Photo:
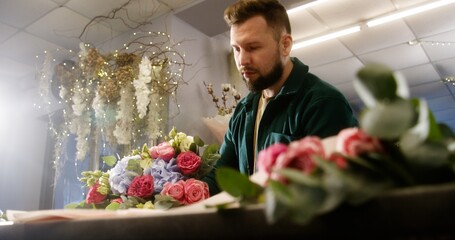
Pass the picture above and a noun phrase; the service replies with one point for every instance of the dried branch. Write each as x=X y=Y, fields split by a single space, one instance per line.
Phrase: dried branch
x=113 y=16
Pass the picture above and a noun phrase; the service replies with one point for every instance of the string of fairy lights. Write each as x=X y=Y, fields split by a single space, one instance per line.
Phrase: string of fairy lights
x=76 y=100
x=431 y=43
x=446 y=80
x=449 y=80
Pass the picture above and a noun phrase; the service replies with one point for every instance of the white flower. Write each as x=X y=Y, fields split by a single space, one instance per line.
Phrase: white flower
x=182 y=141
x=83 y=50
x=145 y=68
x=45 y=78
x=79 y=103
x=83 y=128
x=185 y=143
x=234 y=92
x=98 y=106
x=124 y=125
x=141 y=89
x=154 y=117
x=62 y=93
x=226 y=87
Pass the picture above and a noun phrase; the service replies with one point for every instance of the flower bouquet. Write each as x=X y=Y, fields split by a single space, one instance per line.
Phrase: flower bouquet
x=219 y=123
x=160 y=177
x=398 y=144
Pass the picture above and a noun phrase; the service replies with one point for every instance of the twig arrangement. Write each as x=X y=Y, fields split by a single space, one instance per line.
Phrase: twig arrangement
x=122 y=95
x=228 y=90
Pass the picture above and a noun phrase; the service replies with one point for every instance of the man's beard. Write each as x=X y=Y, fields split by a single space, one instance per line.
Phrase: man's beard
x=268 y=80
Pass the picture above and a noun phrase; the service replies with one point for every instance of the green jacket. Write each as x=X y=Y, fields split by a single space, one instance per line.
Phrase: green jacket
x=305 y=106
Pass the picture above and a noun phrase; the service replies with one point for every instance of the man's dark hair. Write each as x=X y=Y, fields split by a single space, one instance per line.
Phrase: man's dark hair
x=272 y=10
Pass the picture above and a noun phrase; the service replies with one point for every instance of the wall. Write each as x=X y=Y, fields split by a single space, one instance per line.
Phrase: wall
x=209 y=64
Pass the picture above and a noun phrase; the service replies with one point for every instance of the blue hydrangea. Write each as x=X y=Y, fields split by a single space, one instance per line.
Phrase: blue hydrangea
x=120 y=178
x=164 y=171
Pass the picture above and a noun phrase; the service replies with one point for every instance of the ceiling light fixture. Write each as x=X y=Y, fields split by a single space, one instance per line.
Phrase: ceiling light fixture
x=371 y=23
x=409 y=12
x=305 y=43
x=305 y=5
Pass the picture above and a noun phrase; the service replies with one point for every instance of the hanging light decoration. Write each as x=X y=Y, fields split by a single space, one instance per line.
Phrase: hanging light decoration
x=449 y=80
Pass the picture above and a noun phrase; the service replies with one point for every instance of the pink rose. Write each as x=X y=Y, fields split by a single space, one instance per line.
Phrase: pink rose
x=175 y=190
x=141 y=186
x=268 y=156
x=353 y=142
x=163 y=150
x=188 y=162
x=299 y=155
x=339 y=160
x=93 y=196
x=117 y=200
x=195 y=191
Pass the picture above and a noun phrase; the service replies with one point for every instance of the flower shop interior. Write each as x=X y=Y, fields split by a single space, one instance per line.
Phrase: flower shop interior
x=48 y=139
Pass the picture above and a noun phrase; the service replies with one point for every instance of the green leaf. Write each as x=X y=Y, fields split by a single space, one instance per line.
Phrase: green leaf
x=297 y=176
x=446 y=131
x=145 y=152
x=113 y=206
x=164 y=202
x=210 y=154
x=211 y=149
x=420 y=131
x=298 y=201
x=280 y=192
x=436 y=133
x=361 y=181
x=379 y=80
x=388 y=120
x=145 y=163
x=134 y=165
x=146 y=205
x=334 y=184
x=276 y=197
x=362 y=164
x=198 y=141
x=429 y=154
x=393 y=168
x=173 y=132
x=237 y=184
x=209 y=158
x=109 y=160
x=222 y=206
x=193 y=148
x=72 y=206
x=309 y=202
